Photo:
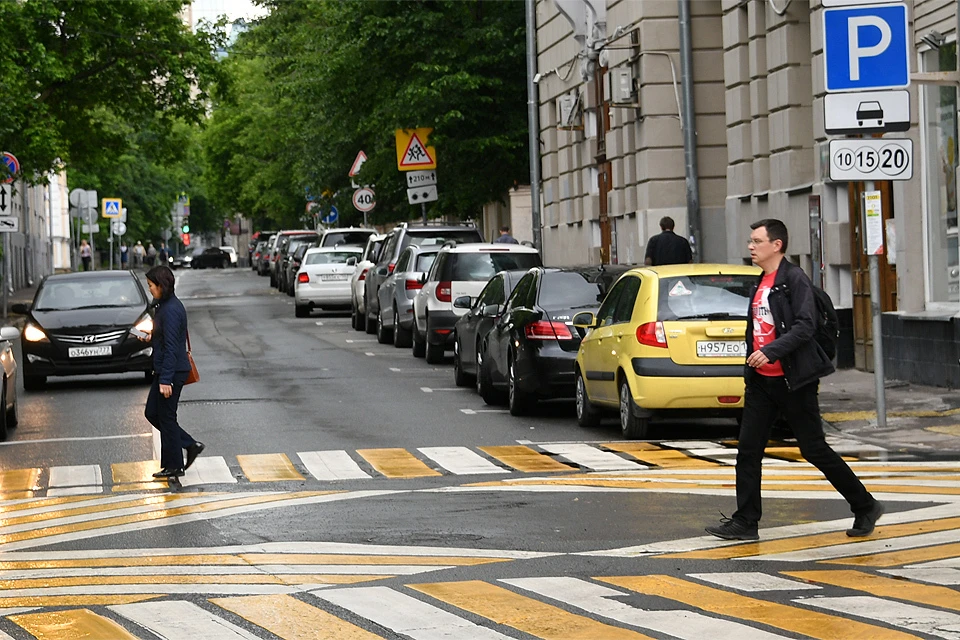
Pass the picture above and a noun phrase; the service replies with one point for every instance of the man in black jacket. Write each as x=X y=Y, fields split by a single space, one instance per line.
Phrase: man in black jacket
x=667 y=247
x=782 y=378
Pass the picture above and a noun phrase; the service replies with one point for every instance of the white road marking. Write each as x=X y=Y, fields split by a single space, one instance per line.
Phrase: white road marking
x=7 y=443
x=75 y=476
x=210 y=470
x=753 y=581
x=947 y=576
x=863 y=548
x=181 y=619
x=461 y=460
x=897 y=614
x=156 y=444
x=234 y=570
x=591 y=458
x=405 y=615
x=357 y=341
x=331 y=465
x=169 y=589
x=593 y=598
x=369 y=353
x=471 y=412
x=431 y=389
x=75 y=491
x=319 y=324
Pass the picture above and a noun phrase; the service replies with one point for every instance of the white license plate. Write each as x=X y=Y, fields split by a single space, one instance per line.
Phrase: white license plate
x=86 y=352
x=333 y=277
x=721 y=349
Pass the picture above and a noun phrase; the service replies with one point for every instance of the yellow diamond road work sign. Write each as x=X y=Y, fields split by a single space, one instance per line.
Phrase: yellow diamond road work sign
x=412 y=151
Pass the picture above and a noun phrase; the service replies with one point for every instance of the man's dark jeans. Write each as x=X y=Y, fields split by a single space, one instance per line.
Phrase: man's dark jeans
x=765 y=399
x=162 y=413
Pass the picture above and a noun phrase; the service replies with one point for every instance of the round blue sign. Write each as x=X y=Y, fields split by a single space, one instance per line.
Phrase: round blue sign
x=331 y=217
x=12 y=167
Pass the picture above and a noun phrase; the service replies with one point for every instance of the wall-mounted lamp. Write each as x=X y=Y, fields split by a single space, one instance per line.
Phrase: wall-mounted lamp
x=934 y=39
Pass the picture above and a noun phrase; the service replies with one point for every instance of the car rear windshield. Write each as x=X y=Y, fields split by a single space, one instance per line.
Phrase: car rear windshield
x=330 y=257
x=352 y=238
x=296 y=243
x=425 y=261
x=484 y=265
x=569 y=290
x=709 y=297
x=88 y=293
x=439 y=238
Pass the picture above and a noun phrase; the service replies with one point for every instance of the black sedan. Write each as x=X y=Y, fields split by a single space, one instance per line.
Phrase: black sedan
x=80 y=323
x=211 y=258
x=531 y=350
x=472 y=327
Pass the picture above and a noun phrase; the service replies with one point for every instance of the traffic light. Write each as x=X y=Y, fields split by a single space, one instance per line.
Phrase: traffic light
x=186 y=227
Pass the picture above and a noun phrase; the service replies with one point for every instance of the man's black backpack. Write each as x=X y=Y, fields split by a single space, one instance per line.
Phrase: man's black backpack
x=828 y=325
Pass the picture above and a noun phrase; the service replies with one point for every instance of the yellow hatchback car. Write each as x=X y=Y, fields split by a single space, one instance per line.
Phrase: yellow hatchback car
x=666 y=341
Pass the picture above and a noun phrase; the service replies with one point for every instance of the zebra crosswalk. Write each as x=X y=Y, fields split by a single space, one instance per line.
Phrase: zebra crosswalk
x=563 y=458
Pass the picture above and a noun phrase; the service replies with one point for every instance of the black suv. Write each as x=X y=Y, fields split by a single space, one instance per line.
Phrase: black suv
x=399 y=239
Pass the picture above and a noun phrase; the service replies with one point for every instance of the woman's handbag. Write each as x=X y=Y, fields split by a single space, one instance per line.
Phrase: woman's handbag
x=194 y=375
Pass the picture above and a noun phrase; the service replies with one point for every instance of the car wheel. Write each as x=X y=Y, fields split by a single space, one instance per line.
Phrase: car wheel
x=224 y=264
x=148 y=376
x=460 y=377
x=370 y=326
x=588 y=416
x=401 y=336
x=419 y=344
x=3 y=415
x=13 y=414
x=384 y=335
x=361 y=324
x=302 y=310
x=484 y=384
x=632 y=426
x=434 y=353
x=519 y=402
x=34 y=383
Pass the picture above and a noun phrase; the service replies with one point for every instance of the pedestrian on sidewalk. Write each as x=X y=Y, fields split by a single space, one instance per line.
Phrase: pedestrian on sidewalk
x=667 y=247
x=505 y=237
x=782 y=376
x=138 y=255
x=86 y=255
x=171 y=366
x=124 y=256
x=151 y=255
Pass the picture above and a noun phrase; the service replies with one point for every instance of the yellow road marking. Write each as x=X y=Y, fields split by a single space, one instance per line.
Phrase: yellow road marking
x=813 y=624
x=902 y=557
x=268 y=467
x=332 y=558
x=846 y=416
x=82 y=509
x=884 y=587
x=627 y=447
x=74 y=601
x=397 y=463
x=793 y=453
x=664 y=458
x=229 y=578
x=71 y=624
x=522 y=613
x=144 y=561
x=157 y=514
x=46 y=502
x=950 y=429
x=140 y=472
x=819 y=540
x=292 y=619
x=525 y=459
x=16 y=480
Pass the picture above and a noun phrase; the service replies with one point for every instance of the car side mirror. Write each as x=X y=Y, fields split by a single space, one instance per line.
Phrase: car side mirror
x=585 y=320
x=351 y=261
x=20 y=308
x=422 y=279
x=9 y=333
x=463 y=302
x=383 y=272
x=490 y=311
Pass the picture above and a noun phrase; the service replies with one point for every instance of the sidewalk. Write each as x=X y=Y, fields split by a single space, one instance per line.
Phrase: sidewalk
x=919 y=419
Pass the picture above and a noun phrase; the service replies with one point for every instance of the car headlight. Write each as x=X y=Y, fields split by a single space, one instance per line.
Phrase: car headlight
x=145 y=325
x=33 y=333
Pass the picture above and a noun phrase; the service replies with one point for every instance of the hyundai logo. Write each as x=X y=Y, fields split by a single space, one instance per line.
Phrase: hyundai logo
x=89 y=339
x=728 y=329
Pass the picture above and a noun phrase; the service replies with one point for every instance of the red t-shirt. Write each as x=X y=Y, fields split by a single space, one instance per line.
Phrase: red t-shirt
x=763 y=330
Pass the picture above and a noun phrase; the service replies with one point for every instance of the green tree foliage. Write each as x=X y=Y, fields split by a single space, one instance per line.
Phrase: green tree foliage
x=73 y=69
x=317 y=81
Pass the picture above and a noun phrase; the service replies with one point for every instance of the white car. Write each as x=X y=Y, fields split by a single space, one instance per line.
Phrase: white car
x=323 y=280
x=459 y=270
x=233 y=255
x=358 y=305
x=9 y=415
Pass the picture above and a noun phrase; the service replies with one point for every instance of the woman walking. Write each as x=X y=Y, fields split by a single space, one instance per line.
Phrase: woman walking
x=169 y=340
x=86 y=255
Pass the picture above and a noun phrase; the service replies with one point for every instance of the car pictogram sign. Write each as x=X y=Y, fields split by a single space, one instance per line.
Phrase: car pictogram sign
x=413 y=153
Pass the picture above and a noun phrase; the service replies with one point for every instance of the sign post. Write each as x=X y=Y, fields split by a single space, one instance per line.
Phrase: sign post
x=12 y=167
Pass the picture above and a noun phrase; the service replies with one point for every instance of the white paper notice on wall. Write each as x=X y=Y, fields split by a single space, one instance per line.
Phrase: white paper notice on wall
x=891 y=241
x=873 y=222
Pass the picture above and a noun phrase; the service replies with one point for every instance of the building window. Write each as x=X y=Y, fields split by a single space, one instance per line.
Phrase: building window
x=940 y=123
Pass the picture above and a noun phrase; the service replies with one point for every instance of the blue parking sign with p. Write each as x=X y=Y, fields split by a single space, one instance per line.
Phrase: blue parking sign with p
x=866 y=47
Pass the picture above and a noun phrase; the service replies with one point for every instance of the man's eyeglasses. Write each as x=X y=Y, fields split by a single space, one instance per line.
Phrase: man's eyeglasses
x=752 y=242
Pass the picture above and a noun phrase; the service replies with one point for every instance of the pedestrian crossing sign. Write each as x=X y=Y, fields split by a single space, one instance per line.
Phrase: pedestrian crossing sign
x=413 y=153
x=112 y=207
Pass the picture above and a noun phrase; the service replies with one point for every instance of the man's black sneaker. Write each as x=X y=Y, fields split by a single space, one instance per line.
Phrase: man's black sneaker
x=864 y=524
x=168 y=473
x=730 y=529
x=192 y=452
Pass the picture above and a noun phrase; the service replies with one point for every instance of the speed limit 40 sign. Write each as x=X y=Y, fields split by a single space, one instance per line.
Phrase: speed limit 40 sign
x=364 y=199
x=871 y=159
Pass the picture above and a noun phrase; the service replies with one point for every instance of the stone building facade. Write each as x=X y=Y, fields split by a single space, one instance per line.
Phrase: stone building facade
x=761 y=152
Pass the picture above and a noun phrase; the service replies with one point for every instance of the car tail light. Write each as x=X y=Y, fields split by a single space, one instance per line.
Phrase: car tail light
x=256 y=255
x=412 y=284
x=303 y=277
x=546 y=330
x=363 y=274
x=443 y=291
x=652 y=334
x=391 y=266
x=728 y=399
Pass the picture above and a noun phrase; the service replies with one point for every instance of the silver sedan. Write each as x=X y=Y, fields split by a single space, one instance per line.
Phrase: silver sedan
x=397 y=292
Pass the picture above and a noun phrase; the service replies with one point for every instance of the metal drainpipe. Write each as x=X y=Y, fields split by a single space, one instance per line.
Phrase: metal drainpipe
x=533 y=123
x=688 y=121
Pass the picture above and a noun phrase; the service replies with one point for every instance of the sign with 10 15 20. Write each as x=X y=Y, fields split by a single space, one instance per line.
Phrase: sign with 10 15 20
x=871 y=159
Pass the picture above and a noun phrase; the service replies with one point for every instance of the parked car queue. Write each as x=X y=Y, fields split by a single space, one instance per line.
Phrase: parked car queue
x=639 y=342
